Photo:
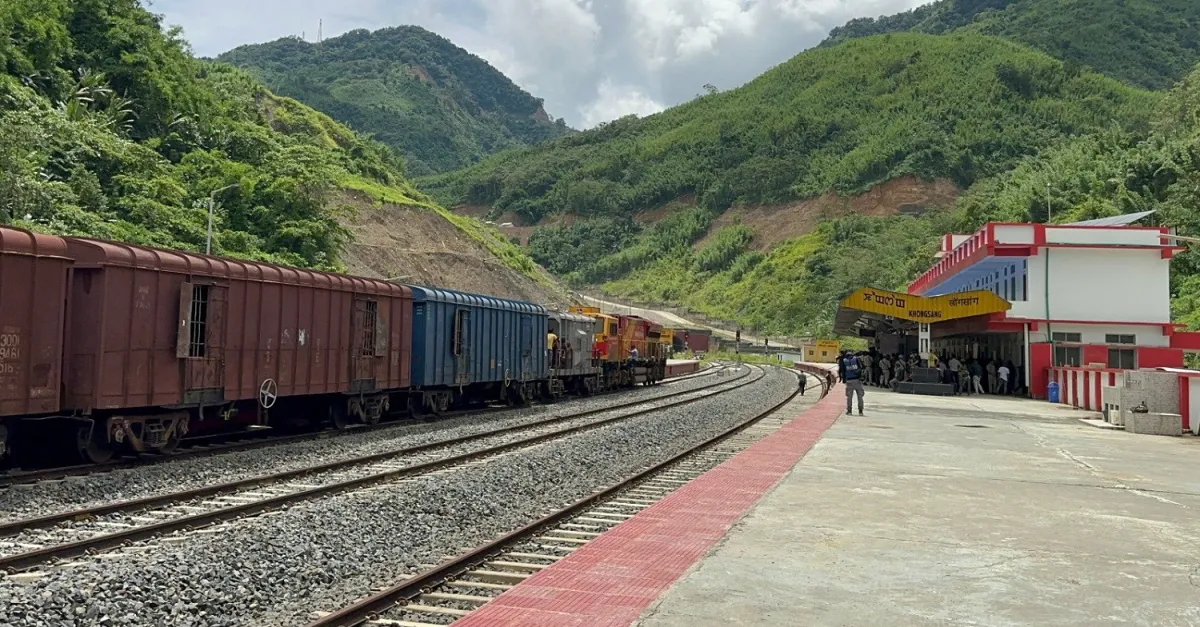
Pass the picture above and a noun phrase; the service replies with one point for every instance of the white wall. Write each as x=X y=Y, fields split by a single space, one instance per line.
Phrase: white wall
x=1108 y=284
x=1120 y=236
x=1014 y=233
x=1094 y=334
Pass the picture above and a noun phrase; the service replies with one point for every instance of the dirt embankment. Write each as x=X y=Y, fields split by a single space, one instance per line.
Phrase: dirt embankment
x=418 y=246
x=774 y=224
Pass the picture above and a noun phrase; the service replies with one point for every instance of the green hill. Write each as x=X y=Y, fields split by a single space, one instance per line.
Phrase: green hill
x=439 y=105
x=112 y=129
x=842 y=119
x=1112 y=173
x=1148 y=43
x=839 y=119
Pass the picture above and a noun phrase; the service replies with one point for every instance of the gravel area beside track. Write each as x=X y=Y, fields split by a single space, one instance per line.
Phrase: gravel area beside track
x=48 y=497
x=277 y=569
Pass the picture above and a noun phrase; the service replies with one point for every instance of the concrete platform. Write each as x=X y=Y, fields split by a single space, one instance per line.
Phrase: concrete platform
x=928 y=511
x=680 y=367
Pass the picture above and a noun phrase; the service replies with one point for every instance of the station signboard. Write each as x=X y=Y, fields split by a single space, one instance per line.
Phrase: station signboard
x=925 y=308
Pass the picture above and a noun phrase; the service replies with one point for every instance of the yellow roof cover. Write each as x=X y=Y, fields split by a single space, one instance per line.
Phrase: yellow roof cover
x=925 y=308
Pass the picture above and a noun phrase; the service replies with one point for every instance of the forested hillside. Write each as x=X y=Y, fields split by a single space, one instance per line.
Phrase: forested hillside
x=795 y=287
x=1148 y=43
x=110 y=128
x=439 y=105
x=1112 y=173
x=841 y=119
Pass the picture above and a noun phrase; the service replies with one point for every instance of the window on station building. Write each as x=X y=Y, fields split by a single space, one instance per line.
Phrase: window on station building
x=1024 y=280
x=1113 y=338
x=1068 y=356
x=1070 y=338
x=1123 y=358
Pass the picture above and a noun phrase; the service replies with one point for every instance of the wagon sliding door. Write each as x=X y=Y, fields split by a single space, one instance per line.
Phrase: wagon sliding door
x=526 y=347
x=200 y=343
x=462 y=347
x=370 y=337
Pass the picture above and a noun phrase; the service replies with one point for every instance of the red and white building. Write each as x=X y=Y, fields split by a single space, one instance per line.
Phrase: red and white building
x=1089 y=300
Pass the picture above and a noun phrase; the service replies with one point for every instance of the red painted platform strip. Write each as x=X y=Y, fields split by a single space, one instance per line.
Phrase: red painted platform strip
x=613 y=579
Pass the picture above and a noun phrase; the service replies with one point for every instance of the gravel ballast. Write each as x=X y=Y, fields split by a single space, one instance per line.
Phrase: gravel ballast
x=26 y=501
x=279 y=568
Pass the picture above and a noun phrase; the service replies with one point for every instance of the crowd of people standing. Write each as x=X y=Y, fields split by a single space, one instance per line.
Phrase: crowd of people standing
x=968 y=376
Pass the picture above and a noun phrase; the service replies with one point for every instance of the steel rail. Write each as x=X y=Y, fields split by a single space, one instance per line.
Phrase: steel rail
x=25 y=477
x=29 y=559
x=371 y=607
x=16 y=526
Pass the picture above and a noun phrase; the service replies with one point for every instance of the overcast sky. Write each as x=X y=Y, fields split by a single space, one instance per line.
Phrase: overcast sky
x=592 y=60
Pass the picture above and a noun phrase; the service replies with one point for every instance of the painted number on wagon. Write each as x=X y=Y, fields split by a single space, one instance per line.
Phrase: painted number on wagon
x=10 y=346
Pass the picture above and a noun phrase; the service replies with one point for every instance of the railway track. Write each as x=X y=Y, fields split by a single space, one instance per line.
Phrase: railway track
x=454 y=588
x=25 y=544
x=249 y=440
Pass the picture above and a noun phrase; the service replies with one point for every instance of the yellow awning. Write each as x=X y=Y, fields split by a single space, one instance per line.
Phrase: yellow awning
x=926 y=309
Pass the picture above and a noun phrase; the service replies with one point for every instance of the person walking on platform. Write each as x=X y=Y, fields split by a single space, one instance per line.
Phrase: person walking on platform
x=803 y=383
x=885 y=371
x=1003 y=373
x=962 y=379
x=867 y=372
x=852 y=368
x=991 y=377
x=955 y=366
x=976 y=374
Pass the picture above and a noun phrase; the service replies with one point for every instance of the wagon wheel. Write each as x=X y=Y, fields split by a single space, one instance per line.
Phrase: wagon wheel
x=91 y=448
x=268 y=393
x=337 y=414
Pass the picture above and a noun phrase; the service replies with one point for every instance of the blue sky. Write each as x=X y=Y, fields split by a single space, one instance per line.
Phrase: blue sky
x=592 y=60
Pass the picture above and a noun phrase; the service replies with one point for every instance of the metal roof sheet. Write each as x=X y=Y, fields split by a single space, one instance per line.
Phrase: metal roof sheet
x=1121 y=220
x=474 y=300
x=96 y=252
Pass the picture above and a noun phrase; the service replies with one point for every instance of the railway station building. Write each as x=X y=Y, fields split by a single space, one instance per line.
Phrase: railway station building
x=1074 y=303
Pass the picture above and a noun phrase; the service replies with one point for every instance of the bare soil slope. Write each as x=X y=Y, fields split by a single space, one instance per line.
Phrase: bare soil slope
x=774 y=224
x=417 y=246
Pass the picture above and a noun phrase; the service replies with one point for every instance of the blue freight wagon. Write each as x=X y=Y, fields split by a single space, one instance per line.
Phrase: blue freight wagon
x=470 y=348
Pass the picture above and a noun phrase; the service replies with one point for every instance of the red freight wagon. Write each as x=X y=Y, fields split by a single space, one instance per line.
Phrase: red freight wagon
x=33 y=280
x=105 y=346
x=698 y=340
x=204 y=338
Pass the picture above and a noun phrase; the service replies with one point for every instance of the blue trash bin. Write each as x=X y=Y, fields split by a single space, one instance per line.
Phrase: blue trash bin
x=1052 y=392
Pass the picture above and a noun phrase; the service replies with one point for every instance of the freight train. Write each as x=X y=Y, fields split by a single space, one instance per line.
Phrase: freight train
x=108 y=347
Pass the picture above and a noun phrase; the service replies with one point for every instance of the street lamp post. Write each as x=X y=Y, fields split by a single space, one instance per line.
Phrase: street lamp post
x=212 y=201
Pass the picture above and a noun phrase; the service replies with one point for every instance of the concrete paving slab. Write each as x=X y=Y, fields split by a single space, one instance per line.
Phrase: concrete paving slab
x=962 y=511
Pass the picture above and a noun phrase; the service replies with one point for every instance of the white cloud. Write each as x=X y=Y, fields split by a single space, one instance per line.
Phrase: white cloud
x=614 y=101
x=591 y=60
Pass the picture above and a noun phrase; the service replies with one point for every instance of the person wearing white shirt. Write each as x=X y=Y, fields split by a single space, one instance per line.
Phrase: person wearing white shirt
x=1003 y=372
x=955 y=366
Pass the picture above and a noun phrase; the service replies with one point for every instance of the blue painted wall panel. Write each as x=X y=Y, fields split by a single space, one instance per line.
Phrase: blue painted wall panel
x=501 y=336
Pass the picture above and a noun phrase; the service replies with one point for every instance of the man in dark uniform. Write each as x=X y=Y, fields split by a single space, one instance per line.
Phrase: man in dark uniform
x=852 y=376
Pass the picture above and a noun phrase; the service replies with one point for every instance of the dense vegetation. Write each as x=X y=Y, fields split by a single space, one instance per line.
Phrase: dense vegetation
x=1149 y=43
x=843 y=118
x=439 y=105
x=1112 y=173
x=112 y=129
x=794 y=288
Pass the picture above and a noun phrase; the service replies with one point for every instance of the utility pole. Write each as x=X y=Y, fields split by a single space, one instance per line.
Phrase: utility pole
x=1048 y=203
x=212 y=202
